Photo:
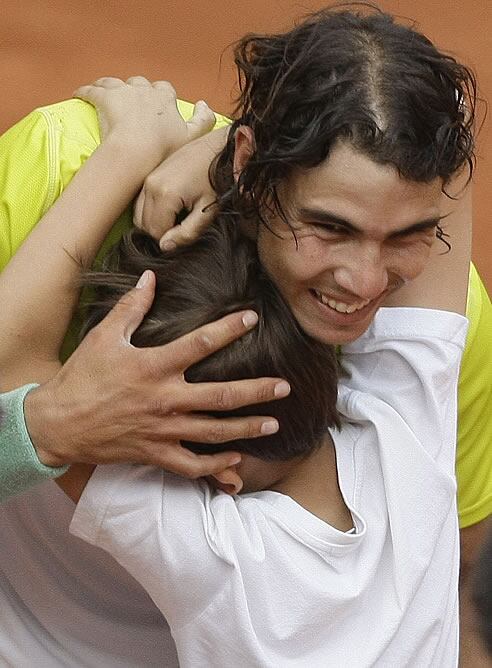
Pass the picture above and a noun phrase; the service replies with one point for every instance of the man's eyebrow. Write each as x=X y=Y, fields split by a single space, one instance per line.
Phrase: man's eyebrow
x=421 y=226
x=322 y=216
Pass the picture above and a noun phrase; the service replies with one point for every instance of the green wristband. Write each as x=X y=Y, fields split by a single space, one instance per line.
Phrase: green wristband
x=20 y=467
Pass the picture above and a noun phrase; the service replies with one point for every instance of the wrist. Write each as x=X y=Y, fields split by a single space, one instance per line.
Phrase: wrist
x=137 y=152
x=44 y=426
x=20 y=467
x=217 y=139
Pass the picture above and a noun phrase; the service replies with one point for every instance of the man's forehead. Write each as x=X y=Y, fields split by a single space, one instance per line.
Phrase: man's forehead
x=358 y=198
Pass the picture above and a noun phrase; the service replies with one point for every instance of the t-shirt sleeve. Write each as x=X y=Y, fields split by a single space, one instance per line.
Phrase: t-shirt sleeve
x=24 y=158
x=474 y=455
x=161 y=529
x=408 y=360
x=38 y=158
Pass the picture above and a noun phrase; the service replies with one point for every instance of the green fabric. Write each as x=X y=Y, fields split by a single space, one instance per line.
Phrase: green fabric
x=20 y=467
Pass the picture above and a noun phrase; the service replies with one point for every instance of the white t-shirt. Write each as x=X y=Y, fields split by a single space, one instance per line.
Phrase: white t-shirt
x=66 y=604
x=256 y=580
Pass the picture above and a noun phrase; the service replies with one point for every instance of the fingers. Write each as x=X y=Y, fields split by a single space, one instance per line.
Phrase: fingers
x=202 y=121
x=165 y=85
x=90 y=93
x=109 y=82
x=138 y=81
x=155 y=210
x=204 y=429
x=129 y=312
x=190 y=229
x=228 y=480
x=90 y=90
x=96 y=88
x=186 y=463
x=234 y=394
x=204 y=341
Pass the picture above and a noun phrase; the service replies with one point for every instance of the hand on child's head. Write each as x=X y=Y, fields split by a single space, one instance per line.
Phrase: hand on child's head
x=144 y=115
x=227 y=481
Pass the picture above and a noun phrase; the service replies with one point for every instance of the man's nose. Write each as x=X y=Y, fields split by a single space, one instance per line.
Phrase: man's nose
x=364 y=274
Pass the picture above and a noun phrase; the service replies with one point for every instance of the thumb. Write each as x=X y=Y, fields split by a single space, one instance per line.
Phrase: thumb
x=202 y=121
x=129 y=312
x=191 y=227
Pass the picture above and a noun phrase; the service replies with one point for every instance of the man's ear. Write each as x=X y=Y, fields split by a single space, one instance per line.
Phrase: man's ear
x=244 y=146
x=228 y=480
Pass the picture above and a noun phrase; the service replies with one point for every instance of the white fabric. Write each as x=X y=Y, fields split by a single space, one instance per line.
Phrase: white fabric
x=256 y=580
x=66 y=604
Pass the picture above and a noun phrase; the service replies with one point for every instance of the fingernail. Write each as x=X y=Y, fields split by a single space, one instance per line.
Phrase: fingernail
x=282 y=389
x=168 y=245
x=236 y=460
x=143 y=280
x=202 y=103
x=250 y=318
x=270 y=427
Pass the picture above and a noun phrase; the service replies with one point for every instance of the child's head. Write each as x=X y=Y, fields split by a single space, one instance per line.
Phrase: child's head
x=220 y=274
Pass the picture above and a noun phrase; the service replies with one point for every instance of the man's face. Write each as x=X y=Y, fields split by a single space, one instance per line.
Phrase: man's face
x=362 y=231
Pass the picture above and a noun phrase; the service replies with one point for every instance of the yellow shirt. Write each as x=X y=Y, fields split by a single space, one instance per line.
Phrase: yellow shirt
x=40 y=155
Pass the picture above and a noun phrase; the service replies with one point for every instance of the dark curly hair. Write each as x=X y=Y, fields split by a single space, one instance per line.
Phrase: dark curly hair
x=356 y=76
x=219 y=274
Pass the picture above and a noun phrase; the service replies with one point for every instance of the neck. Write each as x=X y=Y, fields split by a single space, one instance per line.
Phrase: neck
x=311 y=481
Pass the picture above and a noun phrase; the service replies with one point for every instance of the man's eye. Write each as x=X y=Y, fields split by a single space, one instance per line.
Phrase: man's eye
x=415 y=236
x=329 y=229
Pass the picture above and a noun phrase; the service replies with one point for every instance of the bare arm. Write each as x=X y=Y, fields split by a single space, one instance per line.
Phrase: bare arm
x=112 y=402
x=444 y=282
x=140 y=131
x=443 y=285
x=181 y=184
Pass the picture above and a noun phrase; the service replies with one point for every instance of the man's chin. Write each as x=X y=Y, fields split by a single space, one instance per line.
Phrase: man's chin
x=338 y=336
x=334 y=331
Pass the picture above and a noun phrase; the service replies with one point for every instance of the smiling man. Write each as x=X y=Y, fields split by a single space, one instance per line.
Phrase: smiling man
x=348 y=129
x=362 y=232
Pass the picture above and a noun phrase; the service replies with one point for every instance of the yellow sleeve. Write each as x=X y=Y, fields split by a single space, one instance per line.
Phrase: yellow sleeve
x=38 y=157
x=474 y=455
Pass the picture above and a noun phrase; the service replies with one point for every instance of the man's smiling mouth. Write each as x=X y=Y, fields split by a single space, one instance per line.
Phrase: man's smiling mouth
x=340 y=306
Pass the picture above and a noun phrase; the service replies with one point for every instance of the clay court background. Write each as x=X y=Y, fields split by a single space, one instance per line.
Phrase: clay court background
x=49 y=47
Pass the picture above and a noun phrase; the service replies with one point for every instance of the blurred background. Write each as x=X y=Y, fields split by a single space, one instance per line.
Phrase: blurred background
x=50 y=47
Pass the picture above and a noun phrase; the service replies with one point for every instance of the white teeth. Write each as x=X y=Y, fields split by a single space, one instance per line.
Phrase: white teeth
x=341 y=307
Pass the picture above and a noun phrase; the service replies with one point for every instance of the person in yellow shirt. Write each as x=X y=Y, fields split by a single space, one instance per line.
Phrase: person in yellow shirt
x=40 y=155
x=39 y=438
x=54 y=141
x=38 y=158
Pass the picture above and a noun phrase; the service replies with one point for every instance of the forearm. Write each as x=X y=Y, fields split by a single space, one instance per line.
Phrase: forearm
x=45 y=272
x=443 y=284
x=216 y=139
x=20 y=465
